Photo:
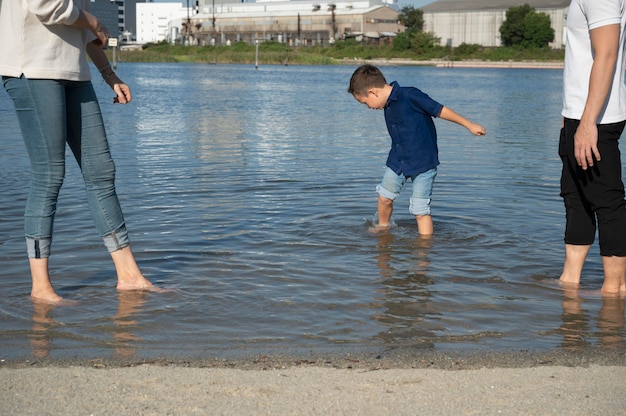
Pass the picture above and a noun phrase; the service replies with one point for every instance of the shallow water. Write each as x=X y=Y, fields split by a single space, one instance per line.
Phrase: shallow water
x=250 y=193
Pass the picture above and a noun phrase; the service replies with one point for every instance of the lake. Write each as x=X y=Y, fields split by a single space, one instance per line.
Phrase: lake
x=250 y=192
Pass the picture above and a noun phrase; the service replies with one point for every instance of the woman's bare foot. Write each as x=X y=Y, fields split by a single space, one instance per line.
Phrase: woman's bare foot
x=136 y=283
x=129 y=277
x=48 y=297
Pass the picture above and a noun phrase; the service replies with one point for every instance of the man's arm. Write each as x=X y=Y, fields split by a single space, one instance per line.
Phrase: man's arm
x=604 y=45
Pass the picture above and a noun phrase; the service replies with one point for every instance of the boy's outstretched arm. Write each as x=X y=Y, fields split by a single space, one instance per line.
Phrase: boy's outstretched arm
x=450 y=115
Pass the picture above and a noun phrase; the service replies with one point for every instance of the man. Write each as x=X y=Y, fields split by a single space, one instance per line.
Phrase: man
x=594 y=114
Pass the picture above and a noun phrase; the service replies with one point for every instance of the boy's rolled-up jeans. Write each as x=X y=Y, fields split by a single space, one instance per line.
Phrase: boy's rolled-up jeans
x=52 y=113
x=419 y=204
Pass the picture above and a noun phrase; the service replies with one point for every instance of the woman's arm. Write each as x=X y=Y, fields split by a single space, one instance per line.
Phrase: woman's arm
x=101 y=62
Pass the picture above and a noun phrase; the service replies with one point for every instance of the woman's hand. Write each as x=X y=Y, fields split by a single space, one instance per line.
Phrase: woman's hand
x=122 y=91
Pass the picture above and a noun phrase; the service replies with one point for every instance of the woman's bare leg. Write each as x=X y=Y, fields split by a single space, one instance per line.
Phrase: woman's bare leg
x=129 y=277
x=42 y=289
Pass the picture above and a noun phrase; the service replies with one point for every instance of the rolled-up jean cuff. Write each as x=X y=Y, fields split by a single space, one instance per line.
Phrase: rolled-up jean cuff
x=385 y=193
x=38 y=248
x=117 y=240
x=419 y=206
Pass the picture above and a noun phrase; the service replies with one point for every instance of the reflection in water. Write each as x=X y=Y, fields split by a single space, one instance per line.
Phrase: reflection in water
x=575 y=328
x=406 y=294
x=129 y=303
x=40 y=337
x=611 y=323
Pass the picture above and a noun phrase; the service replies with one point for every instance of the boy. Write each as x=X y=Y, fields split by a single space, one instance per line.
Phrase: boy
x=414 y=155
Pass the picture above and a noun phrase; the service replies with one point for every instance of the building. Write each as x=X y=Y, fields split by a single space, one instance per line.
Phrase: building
x=293 y=22
x=478 y=21
x=157 y=22
x=118 y=16
x=107 y=13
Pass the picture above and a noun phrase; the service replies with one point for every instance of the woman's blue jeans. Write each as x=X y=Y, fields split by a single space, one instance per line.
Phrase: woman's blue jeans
x=52 y=113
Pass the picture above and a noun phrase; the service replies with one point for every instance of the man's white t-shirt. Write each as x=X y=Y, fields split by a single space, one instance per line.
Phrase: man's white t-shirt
x=583 y=16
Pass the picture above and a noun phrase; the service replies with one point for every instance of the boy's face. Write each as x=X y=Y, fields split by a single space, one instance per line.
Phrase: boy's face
x=374 y=99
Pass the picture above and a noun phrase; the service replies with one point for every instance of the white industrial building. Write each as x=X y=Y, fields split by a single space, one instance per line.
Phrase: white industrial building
x=478 y=21
x=154 y=20
x=294 y=22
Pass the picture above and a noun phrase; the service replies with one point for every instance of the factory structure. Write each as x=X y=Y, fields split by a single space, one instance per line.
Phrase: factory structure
x=478 y=21
x=293 y=22
x=311 y=23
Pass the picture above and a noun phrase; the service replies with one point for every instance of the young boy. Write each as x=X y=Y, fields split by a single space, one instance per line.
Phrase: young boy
x=409 y=117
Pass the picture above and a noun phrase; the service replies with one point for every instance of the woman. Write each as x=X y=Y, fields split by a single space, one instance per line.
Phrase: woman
x=44 y=68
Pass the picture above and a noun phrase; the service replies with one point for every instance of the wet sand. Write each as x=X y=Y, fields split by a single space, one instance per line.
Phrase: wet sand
x=556 y=383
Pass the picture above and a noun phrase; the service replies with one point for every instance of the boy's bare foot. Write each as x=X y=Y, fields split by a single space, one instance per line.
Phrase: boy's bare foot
x=378 y=228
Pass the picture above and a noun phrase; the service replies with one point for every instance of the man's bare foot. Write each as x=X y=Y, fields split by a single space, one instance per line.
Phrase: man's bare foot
x=612 y=293
x=569 y=283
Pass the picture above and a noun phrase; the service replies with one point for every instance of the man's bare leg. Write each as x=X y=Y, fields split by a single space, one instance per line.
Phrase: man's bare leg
x=425 y=225
x=42 y=289
x=575 y=256
x=614 y=272
x=129 y=277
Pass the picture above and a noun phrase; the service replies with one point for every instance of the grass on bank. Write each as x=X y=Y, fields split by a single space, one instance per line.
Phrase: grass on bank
x=279 y=53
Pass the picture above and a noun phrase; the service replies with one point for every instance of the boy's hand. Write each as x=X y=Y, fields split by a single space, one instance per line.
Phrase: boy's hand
x=476 y=129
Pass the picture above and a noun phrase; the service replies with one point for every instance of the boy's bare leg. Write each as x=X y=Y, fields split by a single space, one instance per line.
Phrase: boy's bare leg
x=42 y=289
x=425 y=225
x=575 y=256
x=129 y=277
x=614 y=272
x=385 y=209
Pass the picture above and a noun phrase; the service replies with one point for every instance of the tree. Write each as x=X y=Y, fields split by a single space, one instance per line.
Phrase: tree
x=412 y=18
x=526 y=28
x=538 y=31
x=423 y=42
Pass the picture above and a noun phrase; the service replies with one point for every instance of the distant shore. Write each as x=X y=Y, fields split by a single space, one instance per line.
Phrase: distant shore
x=440 y=63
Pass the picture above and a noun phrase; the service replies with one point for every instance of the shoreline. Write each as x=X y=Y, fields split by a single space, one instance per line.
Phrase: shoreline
x=439 y=63
x=404 y=358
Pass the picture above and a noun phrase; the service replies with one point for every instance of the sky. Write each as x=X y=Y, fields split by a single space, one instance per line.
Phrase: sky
x=415 y=3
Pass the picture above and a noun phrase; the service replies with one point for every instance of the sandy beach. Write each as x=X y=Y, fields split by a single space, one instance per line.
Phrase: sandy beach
x=510 y=384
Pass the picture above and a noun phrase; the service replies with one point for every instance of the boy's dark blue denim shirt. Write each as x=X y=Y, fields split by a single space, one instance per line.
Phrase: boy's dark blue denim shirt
x=409 y=116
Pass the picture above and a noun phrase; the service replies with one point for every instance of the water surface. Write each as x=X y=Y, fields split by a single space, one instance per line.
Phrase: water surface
x=250 y=192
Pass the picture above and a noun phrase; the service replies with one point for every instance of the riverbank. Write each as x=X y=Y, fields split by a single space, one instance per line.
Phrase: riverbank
x=272 y=53
x=442 y=63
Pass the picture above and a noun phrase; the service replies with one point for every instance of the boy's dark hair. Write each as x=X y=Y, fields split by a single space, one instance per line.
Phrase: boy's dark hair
x=366 y=77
